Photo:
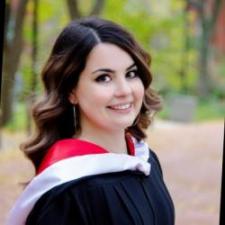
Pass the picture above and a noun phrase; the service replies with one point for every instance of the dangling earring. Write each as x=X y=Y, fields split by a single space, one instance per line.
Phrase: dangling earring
x=136 y=120
x=74 y=117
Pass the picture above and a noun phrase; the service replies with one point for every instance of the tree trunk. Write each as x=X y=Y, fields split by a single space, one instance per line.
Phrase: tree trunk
x=208 y=23
x=97 y=8
x=10 y=65
x=185 y=52
x=204 y=75
x=33 y=84
x=3 y=25
x=74 y=11
x=12 y=52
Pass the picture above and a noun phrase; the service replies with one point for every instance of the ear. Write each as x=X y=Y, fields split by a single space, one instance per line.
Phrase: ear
x=72 y=97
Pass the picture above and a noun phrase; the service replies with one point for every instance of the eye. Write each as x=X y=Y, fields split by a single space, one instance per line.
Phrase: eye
x=104 y=78
x=132 y=74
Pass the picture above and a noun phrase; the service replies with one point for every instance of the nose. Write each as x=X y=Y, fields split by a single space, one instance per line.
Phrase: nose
x=123 y=88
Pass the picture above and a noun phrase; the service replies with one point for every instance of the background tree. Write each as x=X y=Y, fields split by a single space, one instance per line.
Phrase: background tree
x=13 y=45
x=164 y=29
x=208 y=12
x=76 y=12
x=34 y=55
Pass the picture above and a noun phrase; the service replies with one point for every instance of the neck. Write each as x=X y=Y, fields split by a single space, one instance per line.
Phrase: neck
x=114 y=142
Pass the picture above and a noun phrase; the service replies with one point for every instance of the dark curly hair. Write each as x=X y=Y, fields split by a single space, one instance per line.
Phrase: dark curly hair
x=54 y=112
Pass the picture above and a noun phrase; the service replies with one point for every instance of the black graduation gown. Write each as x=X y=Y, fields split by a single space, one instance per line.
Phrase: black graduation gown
x=118 y=198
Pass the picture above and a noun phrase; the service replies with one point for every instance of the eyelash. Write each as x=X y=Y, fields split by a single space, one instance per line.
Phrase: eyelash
x=135 y=72
x=104 y=78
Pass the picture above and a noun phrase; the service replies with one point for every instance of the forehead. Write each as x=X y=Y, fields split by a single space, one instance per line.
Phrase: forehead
x=108 y=55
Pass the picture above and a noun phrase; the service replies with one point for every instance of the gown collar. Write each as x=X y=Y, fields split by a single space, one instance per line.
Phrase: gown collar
x=71 y=147
x=73 y=165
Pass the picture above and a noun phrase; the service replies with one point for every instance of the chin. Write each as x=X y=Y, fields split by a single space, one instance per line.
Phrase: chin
x=124 y=125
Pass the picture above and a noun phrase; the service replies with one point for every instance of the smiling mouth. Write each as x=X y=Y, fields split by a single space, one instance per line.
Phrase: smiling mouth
x=120 y=106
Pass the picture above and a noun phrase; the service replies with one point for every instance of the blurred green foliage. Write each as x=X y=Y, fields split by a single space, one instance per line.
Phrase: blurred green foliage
x=157 y=25
x=19 y=121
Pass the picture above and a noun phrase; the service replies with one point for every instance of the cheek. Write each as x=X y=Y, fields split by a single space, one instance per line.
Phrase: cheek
x=102 y=94
x=139 y=91
x=94 y=96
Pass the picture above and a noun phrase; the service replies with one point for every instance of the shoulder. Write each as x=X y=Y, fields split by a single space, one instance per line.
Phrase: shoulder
x=72 y=199
x=155 y=160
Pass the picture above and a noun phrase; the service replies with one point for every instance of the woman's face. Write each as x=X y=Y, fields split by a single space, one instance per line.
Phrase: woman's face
x=109 y=92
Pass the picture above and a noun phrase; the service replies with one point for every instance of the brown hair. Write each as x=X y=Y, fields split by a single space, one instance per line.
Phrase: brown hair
x=53 y=113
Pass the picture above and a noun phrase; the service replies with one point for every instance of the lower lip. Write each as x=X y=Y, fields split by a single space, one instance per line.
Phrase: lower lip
x=127 y=110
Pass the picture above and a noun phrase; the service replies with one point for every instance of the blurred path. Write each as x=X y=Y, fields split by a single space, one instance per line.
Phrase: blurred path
x=14 y=170
x=190 y=155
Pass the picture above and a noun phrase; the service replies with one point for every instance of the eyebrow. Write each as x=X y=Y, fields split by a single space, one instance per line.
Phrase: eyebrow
x=113 y=71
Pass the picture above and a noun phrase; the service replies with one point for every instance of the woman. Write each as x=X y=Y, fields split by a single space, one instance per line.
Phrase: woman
x=92 y=164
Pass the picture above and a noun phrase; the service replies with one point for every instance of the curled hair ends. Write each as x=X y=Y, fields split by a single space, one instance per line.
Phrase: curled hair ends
x=53 y=114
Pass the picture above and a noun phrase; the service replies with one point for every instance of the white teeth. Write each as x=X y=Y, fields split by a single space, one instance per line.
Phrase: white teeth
x=126 y=106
